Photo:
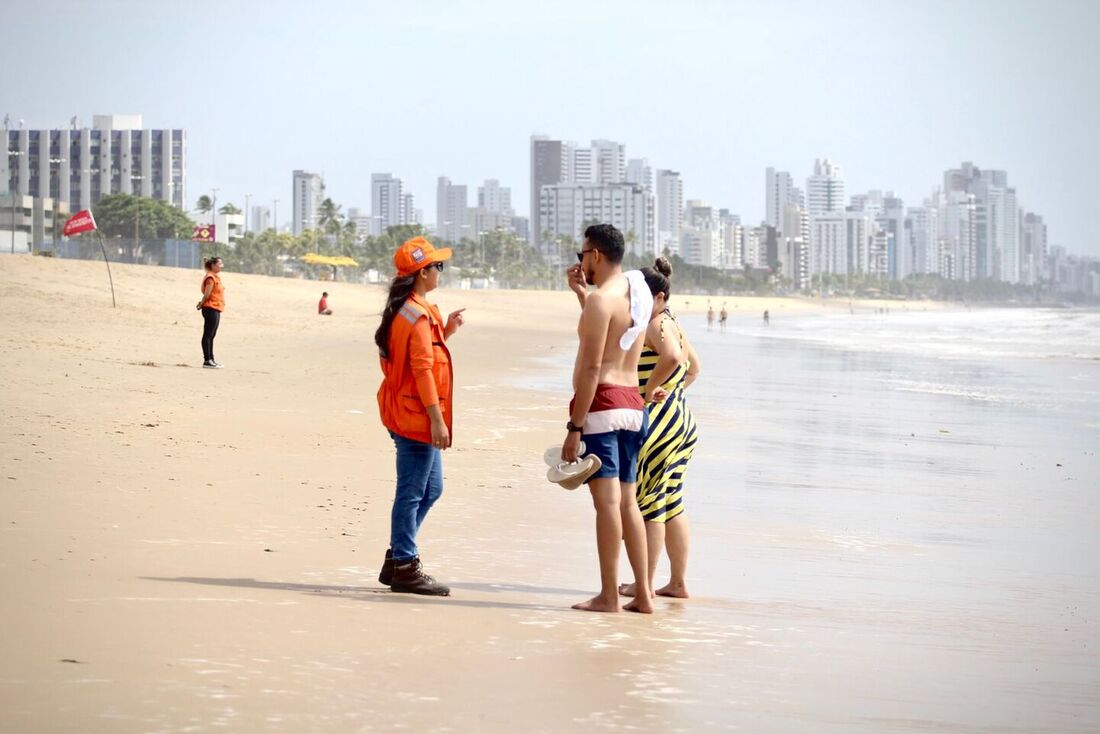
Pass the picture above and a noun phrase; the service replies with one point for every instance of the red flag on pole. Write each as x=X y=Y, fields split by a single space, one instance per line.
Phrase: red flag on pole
x=203 y=233
x=82 y=221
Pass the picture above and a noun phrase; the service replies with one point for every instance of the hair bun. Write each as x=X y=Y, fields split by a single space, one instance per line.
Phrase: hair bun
x=663 y=266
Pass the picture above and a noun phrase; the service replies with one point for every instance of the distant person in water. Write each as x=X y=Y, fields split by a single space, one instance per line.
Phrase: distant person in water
x=710 y=317
x=767 y=319
x=722 y=317
x=322 y=306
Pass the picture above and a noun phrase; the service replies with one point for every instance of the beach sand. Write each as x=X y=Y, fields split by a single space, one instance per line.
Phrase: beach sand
x=195 y=550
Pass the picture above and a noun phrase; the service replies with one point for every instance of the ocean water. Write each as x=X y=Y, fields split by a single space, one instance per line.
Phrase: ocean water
x=895 y=523
x=911 y=501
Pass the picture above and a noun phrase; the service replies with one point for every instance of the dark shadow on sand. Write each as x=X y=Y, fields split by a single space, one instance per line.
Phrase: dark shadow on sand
x=361 y=593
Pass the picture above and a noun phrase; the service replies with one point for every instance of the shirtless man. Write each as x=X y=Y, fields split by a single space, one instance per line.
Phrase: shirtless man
x=607 y=411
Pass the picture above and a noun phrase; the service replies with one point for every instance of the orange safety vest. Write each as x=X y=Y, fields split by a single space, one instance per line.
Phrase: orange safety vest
x=399 y=401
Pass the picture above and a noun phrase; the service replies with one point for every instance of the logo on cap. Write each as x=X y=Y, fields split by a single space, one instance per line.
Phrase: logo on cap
x=418 y=254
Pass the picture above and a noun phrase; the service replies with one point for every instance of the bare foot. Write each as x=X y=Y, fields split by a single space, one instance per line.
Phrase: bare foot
x=676 y=591
x=642 y=606
x=628 y=590
x=597 y=604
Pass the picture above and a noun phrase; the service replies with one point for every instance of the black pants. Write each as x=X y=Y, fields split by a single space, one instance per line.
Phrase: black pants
x=211 y=317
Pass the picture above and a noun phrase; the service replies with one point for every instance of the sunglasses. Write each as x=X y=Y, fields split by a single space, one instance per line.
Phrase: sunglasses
x=580 y=255
x=438 y=266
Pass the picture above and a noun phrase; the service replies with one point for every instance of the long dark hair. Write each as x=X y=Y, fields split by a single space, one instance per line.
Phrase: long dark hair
x=400 y=290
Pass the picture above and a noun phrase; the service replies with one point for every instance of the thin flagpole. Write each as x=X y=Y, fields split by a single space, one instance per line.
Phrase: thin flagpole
x=108 y=264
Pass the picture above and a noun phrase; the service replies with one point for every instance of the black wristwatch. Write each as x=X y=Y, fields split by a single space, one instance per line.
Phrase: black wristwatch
x=573 y=428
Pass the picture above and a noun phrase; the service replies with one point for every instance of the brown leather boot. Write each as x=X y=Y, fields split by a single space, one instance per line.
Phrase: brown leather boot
x=409 y=578
x=385 y=576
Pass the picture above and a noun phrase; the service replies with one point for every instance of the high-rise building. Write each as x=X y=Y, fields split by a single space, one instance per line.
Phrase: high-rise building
x=451 y=210
x=638 y=172
x=548 y=167
x=117 y=155
x=779 y=192
x=996 y=218
x=494 y=198
x=609 y=158
x=891 y=219
x=922 y=233
x=670 y=210
x=307 y=194
x=261 y=219
x=566 y=209
x=825 y=189
x=409 y=213
x=387 y=201
x=1033 y=248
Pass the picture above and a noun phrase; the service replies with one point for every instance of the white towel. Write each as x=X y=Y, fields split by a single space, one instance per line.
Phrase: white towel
x=641 y=307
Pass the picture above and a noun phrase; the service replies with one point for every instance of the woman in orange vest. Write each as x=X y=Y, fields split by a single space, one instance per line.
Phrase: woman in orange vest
x=414 y=402
x=211 y=304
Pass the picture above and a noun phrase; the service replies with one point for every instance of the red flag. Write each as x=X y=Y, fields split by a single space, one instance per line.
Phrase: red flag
x=203 y=233
x=82 y=221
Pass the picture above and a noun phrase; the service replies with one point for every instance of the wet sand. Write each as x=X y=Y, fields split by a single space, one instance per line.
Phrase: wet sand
x=204 y=544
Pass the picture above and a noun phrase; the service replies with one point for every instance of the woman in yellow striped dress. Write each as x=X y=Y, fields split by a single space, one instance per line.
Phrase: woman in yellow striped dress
x=667 y=366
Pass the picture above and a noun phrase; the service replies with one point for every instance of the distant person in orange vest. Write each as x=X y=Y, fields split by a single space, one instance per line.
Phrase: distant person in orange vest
x=415 y=405
x=211 y=304
x=322 y=305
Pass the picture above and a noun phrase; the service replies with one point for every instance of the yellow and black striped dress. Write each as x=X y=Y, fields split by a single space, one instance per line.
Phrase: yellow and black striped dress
x=668 y=446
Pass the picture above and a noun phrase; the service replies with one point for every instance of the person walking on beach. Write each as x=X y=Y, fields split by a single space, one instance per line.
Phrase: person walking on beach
x=322 y=306
x=767 y=318
x=722 y=317
x=211 y=304
x=607 y=411
x=414 y=402
x=710 y=316
x=667 y=366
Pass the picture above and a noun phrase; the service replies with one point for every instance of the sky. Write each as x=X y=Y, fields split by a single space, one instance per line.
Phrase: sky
x=895 y=91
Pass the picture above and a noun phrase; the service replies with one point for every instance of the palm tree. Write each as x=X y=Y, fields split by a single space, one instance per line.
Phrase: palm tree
x=229 y=208
x=204 y=204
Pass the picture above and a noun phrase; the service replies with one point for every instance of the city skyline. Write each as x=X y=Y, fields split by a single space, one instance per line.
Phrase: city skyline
x=781 y=96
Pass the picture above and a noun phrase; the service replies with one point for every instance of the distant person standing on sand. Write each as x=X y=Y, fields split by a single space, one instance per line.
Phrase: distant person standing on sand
x=767 y=318
x=667 y=366
x=415 y=405
x=211 y=304
x=722 y=317
x=607 y=411
x=322 y=306
x=710 y=316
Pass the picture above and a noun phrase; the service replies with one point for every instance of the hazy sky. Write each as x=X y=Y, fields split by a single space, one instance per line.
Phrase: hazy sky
x=894 y=91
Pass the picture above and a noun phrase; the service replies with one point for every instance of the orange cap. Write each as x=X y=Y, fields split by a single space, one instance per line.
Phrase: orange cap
x=416 y=254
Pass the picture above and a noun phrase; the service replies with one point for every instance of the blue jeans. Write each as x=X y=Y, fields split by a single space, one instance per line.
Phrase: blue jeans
x=419 y=485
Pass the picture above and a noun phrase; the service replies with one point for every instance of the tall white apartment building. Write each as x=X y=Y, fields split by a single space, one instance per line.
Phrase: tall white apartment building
x=825 y=189
x=494 y=198
x=387 y=201
x=670 y=210
x=638 y=172
x=922 y=228
x=307 y=194
x=567 y=209
x=1033 y=247
x=117 y=155
x=451 y=202
x=779 y=193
